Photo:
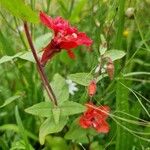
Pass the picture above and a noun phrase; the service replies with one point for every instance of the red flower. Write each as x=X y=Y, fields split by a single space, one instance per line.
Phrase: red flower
x=65 y=37
x=95 y=117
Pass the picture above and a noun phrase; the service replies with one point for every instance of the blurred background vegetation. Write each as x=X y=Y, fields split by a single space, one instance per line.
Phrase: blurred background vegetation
x=20 y=83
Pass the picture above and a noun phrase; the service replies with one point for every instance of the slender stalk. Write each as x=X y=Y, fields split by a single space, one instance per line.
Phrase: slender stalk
x=40 y=68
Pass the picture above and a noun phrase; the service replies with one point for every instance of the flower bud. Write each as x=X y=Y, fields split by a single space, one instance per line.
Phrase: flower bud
x=110 y=69
x=130 y=12
x=92 y=88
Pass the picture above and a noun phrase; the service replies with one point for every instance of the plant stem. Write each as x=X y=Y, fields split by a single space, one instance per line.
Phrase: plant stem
x=40 y=68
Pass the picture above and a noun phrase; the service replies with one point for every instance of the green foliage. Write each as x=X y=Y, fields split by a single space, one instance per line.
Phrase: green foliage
x=10 y=100
x=114 y=54
x=71 y=108
x=114 y=35
x=81 y=78
x=77 y=10
x=42 y=40
x=60 y=88
x=21 y=55
x=46 y=109
x=19 y=145
x=79 y=134
x=43 y=109
x=21 y=129
x=56 y=142
x=56 y=114
x=49 y=126
x=20 y=10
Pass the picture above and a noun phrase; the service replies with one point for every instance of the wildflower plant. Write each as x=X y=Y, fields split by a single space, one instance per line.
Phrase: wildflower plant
x=73 y=77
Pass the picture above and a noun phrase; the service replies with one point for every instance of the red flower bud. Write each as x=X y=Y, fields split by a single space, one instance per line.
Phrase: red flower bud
x=110 y=69
x=92 y=88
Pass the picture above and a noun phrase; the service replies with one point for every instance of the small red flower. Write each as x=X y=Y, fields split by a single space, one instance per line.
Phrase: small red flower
x=92 y=88
x=95 y=117
x=65 y=37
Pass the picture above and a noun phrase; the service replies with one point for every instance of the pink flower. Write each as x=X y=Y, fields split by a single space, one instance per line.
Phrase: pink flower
x=65 y=37
x=95 y=117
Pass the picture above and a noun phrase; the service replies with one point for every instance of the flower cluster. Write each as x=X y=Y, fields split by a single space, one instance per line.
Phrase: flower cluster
x=65 y=37
x=95 y=117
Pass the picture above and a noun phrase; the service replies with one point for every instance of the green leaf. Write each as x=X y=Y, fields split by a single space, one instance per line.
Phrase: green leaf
x=20 y=10
x=42 y=41
x=43 y=109
x=21 y=129
x=19 y=145
x=57 y=143
x=81 y=78
x=27 y=56
x=49 y=127
x=10 y=100
x=79 y=134
x=3 y=144
x=46 y=109
x=103 y=45
x=56 y=114
x=96 y=146
x=71 y=108
x=114 y=54
x=9 y=58
x=14 y=128
x=122 y=104
x=60 y=88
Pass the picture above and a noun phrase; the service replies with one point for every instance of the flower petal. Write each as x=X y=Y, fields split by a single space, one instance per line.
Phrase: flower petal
x=46 y=20
x=83 y=39
x=84 y=123
x=71 y=54
x=103 y=127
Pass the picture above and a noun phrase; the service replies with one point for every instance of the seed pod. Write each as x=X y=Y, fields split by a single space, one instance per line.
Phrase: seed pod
x=110 y=69
x=92 y=88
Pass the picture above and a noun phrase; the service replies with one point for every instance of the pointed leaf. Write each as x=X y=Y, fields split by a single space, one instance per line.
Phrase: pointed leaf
x=20 y=10
x=43 y=109
x=114 y=54
x=81 y=78
x=49 y=127
x=60 y=89
x=56 y=114
x=9 y=58
x=27 y=56
x=71 y=108
x=10 y=100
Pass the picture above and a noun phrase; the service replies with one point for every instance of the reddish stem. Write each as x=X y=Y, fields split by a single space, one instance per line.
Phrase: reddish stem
x=40 y=68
